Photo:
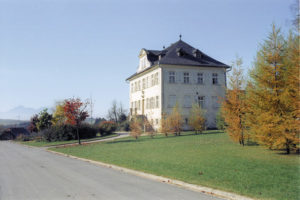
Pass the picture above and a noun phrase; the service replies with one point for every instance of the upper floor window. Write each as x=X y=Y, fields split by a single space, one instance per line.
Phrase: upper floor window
x=144 y=83
x=171 y=77
x=156 y=78
x=139 y=85
x=135 y=86
x=186 y=77
x=200 y=78
x=147 y=82
x=214 y=78
x=132 y=88
x=152 y=79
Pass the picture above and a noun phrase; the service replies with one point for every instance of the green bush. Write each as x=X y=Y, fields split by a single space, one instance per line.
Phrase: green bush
x=68 y=132
x=124 y=126
x=107 y=127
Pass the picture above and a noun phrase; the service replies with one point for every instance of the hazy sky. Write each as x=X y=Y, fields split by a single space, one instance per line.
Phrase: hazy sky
x=55 y=49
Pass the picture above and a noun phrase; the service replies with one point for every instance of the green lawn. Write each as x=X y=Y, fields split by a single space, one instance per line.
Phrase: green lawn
x=211 y=159
x=45 y=144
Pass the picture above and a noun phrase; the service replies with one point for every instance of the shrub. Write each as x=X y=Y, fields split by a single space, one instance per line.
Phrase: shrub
x=68 y=132
x=107 y=127
x=87 y=131
x=135 y=127
x=124 y=126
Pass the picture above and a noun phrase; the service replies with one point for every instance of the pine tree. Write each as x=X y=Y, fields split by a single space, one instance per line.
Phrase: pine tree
x=272 y=94
x=233 y=107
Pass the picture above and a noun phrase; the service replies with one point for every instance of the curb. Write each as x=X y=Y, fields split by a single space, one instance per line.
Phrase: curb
x=197 y=188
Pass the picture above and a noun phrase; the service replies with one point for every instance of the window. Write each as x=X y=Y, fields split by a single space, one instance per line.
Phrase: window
x=132 y=89
x=187 y=101
x=152 y=102
x=200 y=101
x=215 y=103
x=144 y=83
x=186 y=77
x=139 y=85
x=156 y=78
x=214 y=78
x=139 y=105
x=156 y=102
x=186 y=120
x=135 y=86
x=171 y=77
x=131 y=104
x=172 y=101
x=147 y=103
x=156 y=121
x=200 y=78
x=147 y=82
x=152 y=79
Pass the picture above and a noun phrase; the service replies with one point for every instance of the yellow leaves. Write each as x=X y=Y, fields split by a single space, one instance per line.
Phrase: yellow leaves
x=197 y=118
x=273 y=96
x=234 y=107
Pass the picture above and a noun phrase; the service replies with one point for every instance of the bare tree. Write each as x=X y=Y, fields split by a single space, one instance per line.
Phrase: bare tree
x=113 y=112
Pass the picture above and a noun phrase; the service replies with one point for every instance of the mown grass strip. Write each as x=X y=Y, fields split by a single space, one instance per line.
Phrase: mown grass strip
x=210 y=159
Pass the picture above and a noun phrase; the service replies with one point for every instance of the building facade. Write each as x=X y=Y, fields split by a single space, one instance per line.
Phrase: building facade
x=178 y=74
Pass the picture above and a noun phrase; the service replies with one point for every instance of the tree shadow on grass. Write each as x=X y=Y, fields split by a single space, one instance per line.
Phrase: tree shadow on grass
x=283 y=152
x=160 y=137
x=252 y=143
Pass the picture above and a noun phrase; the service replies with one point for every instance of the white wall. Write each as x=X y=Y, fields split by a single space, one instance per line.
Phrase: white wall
x=208 y=90
x=151 y=91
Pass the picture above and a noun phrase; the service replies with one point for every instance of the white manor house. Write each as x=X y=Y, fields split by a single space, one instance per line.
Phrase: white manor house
x=178 y=74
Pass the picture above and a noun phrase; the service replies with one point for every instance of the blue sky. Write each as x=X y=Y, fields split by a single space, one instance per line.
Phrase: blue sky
x=52 y=50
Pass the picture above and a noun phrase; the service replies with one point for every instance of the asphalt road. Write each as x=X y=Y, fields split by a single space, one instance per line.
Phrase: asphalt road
x=28 y=173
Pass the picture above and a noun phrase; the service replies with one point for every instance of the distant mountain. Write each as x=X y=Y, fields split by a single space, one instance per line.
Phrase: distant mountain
x=13 y=122
x=20 y=113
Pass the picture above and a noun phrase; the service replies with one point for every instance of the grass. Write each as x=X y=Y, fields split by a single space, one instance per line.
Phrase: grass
x=210 y=159
x=46 y=144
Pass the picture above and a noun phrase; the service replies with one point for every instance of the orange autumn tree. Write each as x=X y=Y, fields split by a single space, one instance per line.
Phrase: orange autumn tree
x=273 y=93
x=75 y=113
x=291 y=96
x=136 y=127
x=164 y=125
x=233 y=107
x=197 y=118
x=175 y=121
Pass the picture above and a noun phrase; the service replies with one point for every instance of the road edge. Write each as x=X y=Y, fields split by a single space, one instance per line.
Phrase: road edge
x=197 y=188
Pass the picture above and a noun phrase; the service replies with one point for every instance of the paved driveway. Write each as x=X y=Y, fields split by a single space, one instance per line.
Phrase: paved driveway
x=33 y=174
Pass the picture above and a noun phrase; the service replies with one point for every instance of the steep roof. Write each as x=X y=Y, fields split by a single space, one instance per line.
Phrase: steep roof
x=180 y=53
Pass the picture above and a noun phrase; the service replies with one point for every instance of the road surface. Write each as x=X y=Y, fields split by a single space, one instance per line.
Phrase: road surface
x=28 y=173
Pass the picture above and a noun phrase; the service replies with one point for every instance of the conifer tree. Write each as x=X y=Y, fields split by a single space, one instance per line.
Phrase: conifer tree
x=233 y=107
x=272 y=94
